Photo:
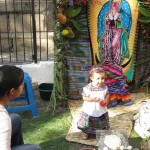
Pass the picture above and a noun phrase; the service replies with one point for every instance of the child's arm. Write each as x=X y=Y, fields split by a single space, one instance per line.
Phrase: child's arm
x=107 y=98
x=105 y=101
x=89 y=99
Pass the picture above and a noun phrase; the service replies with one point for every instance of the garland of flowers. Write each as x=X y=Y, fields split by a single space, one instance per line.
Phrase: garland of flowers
x=66 y=29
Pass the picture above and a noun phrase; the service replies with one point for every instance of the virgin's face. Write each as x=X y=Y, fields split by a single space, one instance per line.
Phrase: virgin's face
x=98 y=79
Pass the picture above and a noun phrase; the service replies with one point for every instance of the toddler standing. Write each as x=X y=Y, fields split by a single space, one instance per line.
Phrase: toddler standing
x=94 y=115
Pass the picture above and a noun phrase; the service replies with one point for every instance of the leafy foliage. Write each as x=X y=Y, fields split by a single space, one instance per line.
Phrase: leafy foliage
x=66 y=29
x=144 y=11
x=144 y=18
x=72 y=12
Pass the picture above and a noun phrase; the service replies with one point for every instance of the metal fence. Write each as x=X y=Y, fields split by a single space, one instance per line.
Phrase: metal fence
x=26 y=31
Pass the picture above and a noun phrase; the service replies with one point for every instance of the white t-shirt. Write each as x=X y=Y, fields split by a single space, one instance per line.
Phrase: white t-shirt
x=5 y=129
x=93 y=108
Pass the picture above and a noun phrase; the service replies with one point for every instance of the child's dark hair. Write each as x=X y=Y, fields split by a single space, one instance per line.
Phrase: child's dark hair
x=96 y=69
x=10 y=77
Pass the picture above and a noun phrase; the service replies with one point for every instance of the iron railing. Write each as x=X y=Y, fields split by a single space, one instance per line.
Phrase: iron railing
x=26 y=31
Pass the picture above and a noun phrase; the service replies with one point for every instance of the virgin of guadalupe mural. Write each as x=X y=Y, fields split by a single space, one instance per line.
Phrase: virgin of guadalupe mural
x=112 y=28
x=114 y=24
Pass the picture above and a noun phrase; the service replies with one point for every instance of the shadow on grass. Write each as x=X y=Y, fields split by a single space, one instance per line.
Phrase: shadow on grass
x=58 y=143
x=49 y=131
x=135 y=140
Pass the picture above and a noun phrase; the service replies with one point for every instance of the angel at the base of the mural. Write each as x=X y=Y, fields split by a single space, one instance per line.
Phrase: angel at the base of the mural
x=114 y=24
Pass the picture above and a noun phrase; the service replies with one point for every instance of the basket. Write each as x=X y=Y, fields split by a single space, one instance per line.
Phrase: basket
x=45 y=90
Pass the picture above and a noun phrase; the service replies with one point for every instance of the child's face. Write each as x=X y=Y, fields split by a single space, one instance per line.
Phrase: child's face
x=98 y=79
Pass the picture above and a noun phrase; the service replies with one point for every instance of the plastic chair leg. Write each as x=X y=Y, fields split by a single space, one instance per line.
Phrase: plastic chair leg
x=30 y=97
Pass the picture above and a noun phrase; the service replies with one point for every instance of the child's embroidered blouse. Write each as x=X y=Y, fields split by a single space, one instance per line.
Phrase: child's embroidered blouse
x=93 y=108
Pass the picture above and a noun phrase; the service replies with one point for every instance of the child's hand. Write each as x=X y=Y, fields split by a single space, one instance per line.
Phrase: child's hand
x=91 y=99
x=96 y=99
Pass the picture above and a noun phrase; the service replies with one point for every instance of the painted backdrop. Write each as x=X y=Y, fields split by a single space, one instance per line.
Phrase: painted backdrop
x=113 y=26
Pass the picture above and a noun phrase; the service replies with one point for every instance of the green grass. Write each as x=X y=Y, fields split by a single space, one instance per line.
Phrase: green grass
x=48 y=131
x=135 y=140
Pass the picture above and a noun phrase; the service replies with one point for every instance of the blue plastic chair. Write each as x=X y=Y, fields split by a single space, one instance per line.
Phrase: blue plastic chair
x=29 y=96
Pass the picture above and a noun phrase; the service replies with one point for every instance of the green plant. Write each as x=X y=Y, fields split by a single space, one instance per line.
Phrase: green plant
x=66 y=29
x=144 y=14
x=144 y=18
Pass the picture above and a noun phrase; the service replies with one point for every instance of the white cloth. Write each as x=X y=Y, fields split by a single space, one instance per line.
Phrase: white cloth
x=142 y=119
x=5 y=129
x=112 y=144
x=93 y=108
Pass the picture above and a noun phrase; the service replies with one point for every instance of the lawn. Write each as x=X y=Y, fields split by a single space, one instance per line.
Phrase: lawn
x=49 y=131
x=135 y=140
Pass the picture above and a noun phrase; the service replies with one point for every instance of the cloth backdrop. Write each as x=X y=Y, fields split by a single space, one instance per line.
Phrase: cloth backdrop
x=113 y=26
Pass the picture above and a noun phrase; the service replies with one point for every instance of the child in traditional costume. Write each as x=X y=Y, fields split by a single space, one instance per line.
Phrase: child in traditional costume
x=94 y=115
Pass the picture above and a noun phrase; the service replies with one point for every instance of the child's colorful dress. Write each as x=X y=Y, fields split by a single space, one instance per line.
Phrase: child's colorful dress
x=93 y=116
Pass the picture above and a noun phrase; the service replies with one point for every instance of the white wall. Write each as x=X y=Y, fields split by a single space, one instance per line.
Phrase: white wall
x=41 y=72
